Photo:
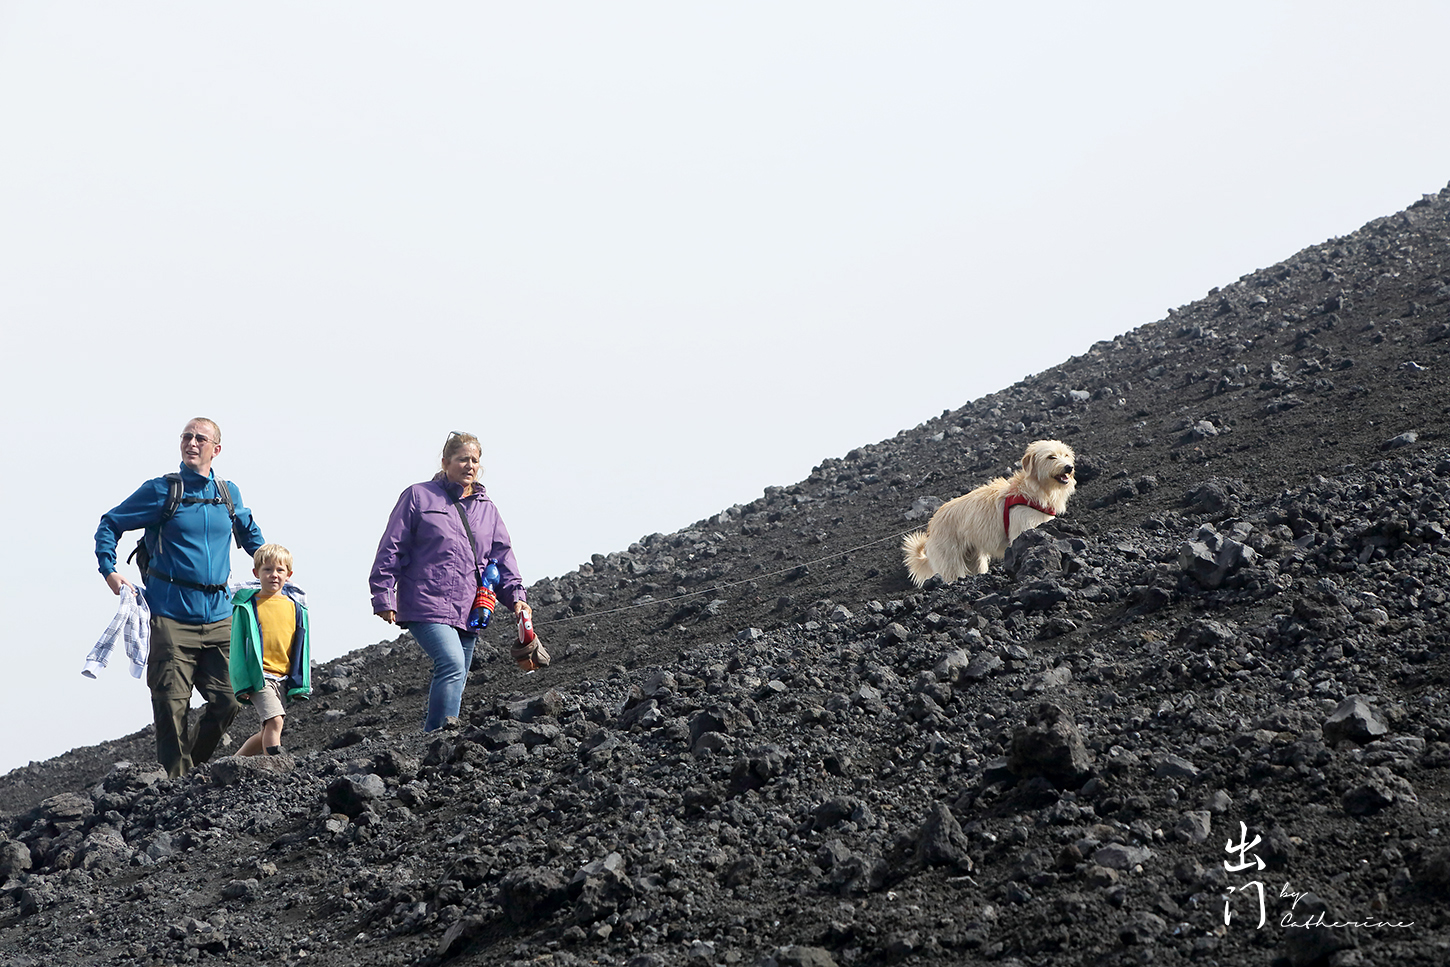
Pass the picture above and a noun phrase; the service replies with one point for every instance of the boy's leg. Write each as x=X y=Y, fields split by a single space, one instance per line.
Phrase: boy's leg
x=272 y=732
x=267 y=700
x=213 y=679
x=169 y=671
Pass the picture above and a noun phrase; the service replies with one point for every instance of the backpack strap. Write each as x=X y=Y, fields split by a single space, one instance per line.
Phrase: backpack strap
x=174 y=492
x=472 y=544
x=208 y=588
x=231 y=509
x=226 y=493
x=174 y=497
x=141 y=554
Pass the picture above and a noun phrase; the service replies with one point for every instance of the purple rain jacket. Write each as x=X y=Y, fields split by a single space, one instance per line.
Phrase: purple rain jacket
x=424 y=569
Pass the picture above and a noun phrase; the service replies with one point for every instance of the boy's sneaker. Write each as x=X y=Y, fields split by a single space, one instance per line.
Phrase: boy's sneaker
x=274 y=750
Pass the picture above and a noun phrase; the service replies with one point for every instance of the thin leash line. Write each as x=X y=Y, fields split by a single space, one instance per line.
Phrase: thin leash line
x=734 y=584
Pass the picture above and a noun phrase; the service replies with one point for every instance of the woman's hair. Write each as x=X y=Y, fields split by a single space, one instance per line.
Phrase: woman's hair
x=268 y=553
x=457 y=441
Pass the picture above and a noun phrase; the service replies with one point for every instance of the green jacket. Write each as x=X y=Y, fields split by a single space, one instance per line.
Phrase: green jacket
x=246 y=657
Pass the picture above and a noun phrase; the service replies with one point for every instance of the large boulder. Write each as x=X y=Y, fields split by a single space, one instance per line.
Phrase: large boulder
x=1049 y=745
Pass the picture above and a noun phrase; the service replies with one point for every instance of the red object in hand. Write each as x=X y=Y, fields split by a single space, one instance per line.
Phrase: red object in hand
x=529 y=652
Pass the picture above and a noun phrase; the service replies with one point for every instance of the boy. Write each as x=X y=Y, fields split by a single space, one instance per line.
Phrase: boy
x=269 y=659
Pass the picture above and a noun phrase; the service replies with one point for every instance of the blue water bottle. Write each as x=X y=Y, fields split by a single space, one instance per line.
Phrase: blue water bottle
x=485 y=600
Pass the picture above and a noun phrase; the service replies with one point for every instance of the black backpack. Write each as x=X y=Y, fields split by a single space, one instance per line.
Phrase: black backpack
x=174 y=499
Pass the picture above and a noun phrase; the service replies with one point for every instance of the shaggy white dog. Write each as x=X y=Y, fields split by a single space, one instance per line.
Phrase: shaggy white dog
x=967 y=532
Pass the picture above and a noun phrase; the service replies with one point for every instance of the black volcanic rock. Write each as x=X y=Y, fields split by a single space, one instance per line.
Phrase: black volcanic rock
x=759 y=743
x=1049 y=745
x=1355 y=721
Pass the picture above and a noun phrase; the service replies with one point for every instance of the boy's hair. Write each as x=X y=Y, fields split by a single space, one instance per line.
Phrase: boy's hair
x=268 y=553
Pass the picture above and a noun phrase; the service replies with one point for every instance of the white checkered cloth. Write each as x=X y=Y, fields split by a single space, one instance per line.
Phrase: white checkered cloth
x=132 y=625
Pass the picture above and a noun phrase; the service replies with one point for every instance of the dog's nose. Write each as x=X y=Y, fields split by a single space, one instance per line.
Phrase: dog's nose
x=1068 y=468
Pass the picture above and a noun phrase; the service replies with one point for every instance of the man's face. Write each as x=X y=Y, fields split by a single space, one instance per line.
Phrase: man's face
x=273 y=575
x=199 y=447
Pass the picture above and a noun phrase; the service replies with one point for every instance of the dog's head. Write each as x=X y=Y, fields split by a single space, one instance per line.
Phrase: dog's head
x=1050 y=462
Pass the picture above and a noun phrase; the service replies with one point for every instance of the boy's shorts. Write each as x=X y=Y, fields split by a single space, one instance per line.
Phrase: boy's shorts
x=268 y=700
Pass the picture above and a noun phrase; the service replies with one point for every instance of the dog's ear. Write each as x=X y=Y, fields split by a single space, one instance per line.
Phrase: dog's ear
x=1028 y=458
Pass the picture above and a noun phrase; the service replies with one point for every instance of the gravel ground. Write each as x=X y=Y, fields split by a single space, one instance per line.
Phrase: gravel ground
x=759 y=745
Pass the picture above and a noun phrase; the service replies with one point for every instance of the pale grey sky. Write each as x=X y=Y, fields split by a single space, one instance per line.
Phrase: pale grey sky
x=657 y=255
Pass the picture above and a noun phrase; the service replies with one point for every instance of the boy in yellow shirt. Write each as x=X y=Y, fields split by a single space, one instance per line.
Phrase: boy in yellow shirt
x=270 y=662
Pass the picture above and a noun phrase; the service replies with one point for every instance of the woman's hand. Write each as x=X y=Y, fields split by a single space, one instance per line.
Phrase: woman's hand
x=391 y=617
x=530 y=656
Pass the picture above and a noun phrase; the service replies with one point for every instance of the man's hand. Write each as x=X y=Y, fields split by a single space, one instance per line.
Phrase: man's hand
x=115 y=582
x=391 y=617
x=522 y=607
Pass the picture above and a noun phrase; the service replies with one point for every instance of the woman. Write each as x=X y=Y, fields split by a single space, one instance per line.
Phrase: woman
x=427 y=569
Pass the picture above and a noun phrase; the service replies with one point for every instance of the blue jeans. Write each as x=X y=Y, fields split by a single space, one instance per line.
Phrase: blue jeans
x=452 y=654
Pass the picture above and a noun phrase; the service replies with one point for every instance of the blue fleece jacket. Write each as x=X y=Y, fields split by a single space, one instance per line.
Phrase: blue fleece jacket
x=194 y=545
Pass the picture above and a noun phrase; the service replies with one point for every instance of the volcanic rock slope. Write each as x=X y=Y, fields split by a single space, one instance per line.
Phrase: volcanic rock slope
x=759 y=745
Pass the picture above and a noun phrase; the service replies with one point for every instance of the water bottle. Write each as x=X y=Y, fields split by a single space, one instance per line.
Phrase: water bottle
x=483 y=604
x=485 y=600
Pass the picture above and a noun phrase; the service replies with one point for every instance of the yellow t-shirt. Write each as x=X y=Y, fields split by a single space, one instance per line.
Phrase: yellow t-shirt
x=277 y=620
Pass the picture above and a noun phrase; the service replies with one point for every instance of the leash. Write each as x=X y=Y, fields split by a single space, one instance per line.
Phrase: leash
x=726 y=587
x=1014 y=500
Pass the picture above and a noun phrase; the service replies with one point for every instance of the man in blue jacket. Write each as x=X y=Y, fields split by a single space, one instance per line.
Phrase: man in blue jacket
x=186 y=588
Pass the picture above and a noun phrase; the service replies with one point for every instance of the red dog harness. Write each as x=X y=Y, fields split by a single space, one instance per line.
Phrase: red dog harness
x=1017 y=500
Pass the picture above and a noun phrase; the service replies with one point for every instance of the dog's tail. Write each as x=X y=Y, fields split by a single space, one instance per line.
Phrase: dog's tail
x=913 y=553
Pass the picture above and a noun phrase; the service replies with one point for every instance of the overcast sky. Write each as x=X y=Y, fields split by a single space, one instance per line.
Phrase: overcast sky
x=658 y=256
